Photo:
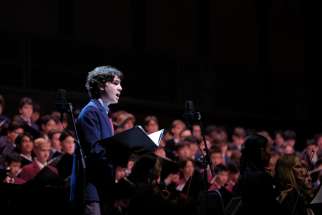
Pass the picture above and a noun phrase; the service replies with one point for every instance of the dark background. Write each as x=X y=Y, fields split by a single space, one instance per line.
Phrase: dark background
x=244 y=62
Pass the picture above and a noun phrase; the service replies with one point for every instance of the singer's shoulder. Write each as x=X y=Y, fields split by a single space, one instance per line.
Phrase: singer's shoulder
x=89 y=107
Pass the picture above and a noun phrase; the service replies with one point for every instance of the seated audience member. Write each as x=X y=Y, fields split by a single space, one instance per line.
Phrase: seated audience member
x=279 y=141
x=25 y=114
x=310 y=153
x=255 y=185
x=120 y=173
x=160 y=152
x=216 y=134
x=220 y=184
x=216 y=157
x=64 y=162
x=235 y=156
x=183 y=151
x=220 y=178
x=7 y=142
x=184 y=134
x=68 y=142
x=177 y=127
x=196 y=131
x=294 y=184
x=123 y=121
x=61 y=122
x=24 y=146
x=316 y=175
x=151 y=124
x=190 y=186
x=194 y=147
x=289 y=137
x=42 y=151
x=233 y=175
x=275 y=156
x=56 y=146
x=47 y=124
x=13 y=163
x=288 y=149
x=318 y=142
x=173 y=137
x=36 y=113
x=4 y=120
x=238 y=137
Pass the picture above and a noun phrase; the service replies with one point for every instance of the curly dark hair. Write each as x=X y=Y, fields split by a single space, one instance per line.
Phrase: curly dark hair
x=98 y=77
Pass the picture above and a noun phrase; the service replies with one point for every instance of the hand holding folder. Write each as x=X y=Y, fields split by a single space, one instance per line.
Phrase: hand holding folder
x=133 y=141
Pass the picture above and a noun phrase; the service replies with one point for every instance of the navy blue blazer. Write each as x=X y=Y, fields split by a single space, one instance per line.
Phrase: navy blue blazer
x=94 y=125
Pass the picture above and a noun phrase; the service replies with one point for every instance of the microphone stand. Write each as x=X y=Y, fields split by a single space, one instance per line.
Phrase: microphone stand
x=192 y=117
x=77 y=178
x=77 y=154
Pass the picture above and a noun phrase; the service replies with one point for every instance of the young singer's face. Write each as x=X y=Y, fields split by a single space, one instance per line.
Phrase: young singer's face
x=112 y=91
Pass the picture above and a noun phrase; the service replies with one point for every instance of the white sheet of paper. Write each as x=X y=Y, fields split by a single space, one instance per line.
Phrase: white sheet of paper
x=318 y=198
x=156 y=136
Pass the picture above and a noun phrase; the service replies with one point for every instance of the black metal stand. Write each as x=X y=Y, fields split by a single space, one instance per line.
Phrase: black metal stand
x=194 y=118
x=79 y=166
x=77 y=178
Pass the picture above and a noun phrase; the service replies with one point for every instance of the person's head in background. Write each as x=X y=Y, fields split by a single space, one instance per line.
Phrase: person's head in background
x=267 y=136
x=196 y=131
x=13 y=164
x=221 y=175
x=60 y=119
x=290 y=172
x=104 y=83
x=288 y=149
x=160 y=152
x=26 y=108
x=233 y=173
x=177 y=127
x=193 y=145
x=239 y=136
x=235 y=156
x=203 y=145
x=42 y=150
x=68 y=142
x=318 y=140
x=47 y=124
x=2 y=104
x=36 y=113
x=14 y=129
x=151 y=124
x=24 y=144
x=4 y=120
x=185 y=133
x=216 y=157
x=216 y=134
x=310 y=153
x=272 y=162
x=130 y=164
x=187 y=167
x=183 y=151
x=278 y=138
x=54 y=136
x=290 y=137
x=255 y=154
x=123 y=121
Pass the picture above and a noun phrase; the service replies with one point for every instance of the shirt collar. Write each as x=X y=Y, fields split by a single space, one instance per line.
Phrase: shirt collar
x=28 y=157
x=41 y=166
x=105 y=105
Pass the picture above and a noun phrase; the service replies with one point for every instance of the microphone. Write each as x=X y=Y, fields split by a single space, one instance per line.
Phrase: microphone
x=61 y=103
x=189 y=115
